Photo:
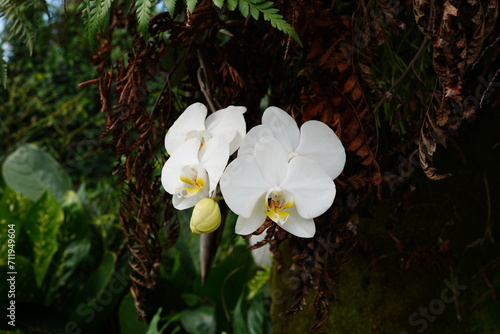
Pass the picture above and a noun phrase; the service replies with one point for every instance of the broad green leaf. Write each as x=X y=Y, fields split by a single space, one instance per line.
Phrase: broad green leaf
x=170 y=4
x=128 y=317
x=228 y=278
x=257 y=315
x=262 y=276
x=102 y=294
x=199 y=321
x=75 y=244
x=219 y=3
x=42 y=226
x=14 y=208
x=99 y=279
x=191 y=4
x=153 y=325
x=31 y=171
x=239 y=319
x=188 y=244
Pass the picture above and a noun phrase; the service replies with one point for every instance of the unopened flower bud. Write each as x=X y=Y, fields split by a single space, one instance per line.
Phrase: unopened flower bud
x=206 y=216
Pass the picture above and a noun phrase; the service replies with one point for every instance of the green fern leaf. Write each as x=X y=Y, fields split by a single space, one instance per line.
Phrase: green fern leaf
x=143 y=13
x=191 y=4
x=219 y=3
x=19 y=19
x=254 y=11
x=96 y=14
x=244 y=8
x=232 y=4
x=170 y=4
x=270 y=14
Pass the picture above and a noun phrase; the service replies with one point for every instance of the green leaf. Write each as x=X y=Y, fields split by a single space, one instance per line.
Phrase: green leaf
x=244 y=8
x=199 y=321
x=257 y=315
x=42 y=226
x=239 y=319
x=191 y=4
x=14 y=208
x=128 y=317
x=219 y=3
x=153 y=326
x=20 y=18
x=99 y=279
x=254 y=12
x=31 y=171
x=96 y=14
x=3 y=72
x=143 y=8
x=170 y=4
x=188 y=244
x=232 y=4
x=75 y=246
x=101 y=294
x=270 y=14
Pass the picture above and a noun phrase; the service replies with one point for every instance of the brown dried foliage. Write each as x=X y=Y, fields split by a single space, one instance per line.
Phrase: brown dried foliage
x=136 y=136
x=457 y=30
x=333 y=82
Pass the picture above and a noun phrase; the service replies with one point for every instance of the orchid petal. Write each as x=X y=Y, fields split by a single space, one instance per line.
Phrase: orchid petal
x=242 y=184
x=228 y=122
x=272 y=159
x=245 y=226
x=299 y=226
x=283 y=126
x=193 y=118
x=182 y=203
x=252 y=137
x=186 y=155
x=312 y=188
x=319 y=143
x=214 y=156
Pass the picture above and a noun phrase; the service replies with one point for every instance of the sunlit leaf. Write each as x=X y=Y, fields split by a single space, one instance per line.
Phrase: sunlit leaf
x=32 y=171
x=42 y=226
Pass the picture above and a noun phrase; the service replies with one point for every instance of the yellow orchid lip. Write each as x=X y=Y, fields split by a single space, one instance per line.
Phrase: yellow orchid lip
x=276 y=202
x=195 y=183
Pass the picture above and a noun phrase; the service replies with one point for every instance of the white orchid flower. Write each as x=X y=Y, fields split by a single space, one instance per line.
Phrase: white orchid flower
x=228 y=122
x=191 y=173
x=290 y=192
x=315 y=140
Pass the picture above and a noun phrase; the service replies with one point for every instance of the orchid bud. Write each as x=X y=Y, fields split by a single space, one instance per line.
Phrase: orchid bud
x=206 y=216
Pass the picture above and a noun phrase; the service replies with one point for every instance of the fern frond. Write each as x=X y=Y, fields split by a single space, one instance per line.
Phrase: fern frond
x=270 y=14
x=143 y=11
x=191 y=4
x=219 y=3
x=20 y=19
x=170 y=4
x=232 y=4
x=96 y=14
